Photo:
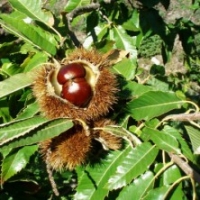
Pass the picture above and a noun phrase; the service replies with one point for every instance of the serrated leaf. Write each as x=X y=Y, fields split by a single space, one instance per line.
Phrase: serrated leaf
x=135 y=163
x=164 y=141
x=33 y=61
x=152 y=104
x=123 y=40
x=13 y=130
x=45 y=131
x=30 y=111
x=33 y=10
x=100 y=173
x=138 y=188
x=15 y=83
x=72 y=4
x=16 y=161
x=184 y=145
x=194 y=134
x=29 y=33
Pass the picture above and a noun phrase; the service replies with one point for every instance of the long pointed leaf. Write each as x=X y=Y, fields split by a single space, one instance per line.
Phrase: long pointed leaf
x=45 y=131
x=33 y=10
x=15 y=83
x=152 y=104
x=134 y=164
x=15 y=162
x=29 y=33
x=89 y=190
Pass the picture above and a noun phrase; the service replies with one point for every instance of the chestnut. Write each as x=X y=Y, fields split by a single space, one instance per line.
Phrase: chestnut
x=70 y=71
x=77 y=91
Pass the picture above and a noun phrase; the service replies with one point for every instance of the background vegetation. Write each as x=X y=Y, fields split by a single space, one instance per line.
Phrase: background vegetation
x=158 y=110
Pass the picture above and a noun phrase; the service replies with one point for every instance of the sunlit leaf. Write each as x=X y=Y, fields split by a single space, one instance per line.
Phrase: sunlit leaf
x=162 y=140
x=194 y=134
x=123 y=40
x=15 y=83
x=33 y=9
x=138 y=188
x=134 y=164
x=46 y=131
x=72 y=4
x=126 y=68
x=87 y=188
x=29 y=33
x=29 y=111
x=152 y=104
x=183 y=144
x=157 y=193
x=16 y=161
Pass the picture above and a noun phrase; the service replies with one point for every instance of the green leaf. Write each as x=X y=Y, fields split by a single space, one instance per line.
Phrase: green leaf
x=135 y=163
x=152 y=104
x=171 y=175
x=16 y=161
x=33 y=61
x=13 y=130
x=15 y=83
x=29 y=33
x=157 y=193
x=138 y=188
x=87 y=188
x=72 y=4
x=45 y=131
x=123 y=40
x=28 y=112
x=164 y=141
x=126 y=68
x=33 y=10
x=194 y=137
x=183 y=144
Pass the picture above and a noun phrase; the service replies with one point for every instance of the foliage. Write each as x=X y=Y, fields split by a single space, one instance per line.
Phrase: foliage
x=158 y=116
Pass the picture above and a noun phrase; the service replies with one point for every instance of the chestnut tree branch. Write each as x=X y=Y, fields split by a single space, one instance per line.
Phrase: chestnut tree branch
x=78 y=11
x=187 y=169
x=184 y=117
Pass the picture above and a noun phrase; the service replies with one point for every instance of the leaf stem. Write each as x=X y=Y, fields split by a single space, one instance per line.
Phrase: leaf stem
x=174 y=184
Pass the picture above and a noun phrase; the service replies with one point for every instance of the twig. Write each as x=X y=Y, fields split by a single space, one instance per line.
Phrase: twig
x=50 y=174
x=185 y=167
x=82 y=10
x=184 y=117
x=69 y=17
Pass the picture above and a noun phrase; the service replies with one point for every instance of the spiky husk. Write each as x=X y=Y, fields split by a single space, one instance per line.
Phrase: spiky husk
x=108 y=139
x=67 y=150
x=104 y=92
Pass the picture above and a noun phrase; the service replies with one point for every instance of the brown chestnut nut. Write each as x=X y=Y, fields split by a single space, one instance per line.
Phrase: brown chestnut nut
x=70 y=71
x=77 y=91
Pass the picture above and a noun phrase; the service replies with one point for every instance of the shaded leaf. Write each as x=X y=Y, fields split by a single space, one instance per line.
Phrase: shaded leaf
x=15 y=83
x=152 y=104
x=135 y=163
x=16 y=161
x=138 y=189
